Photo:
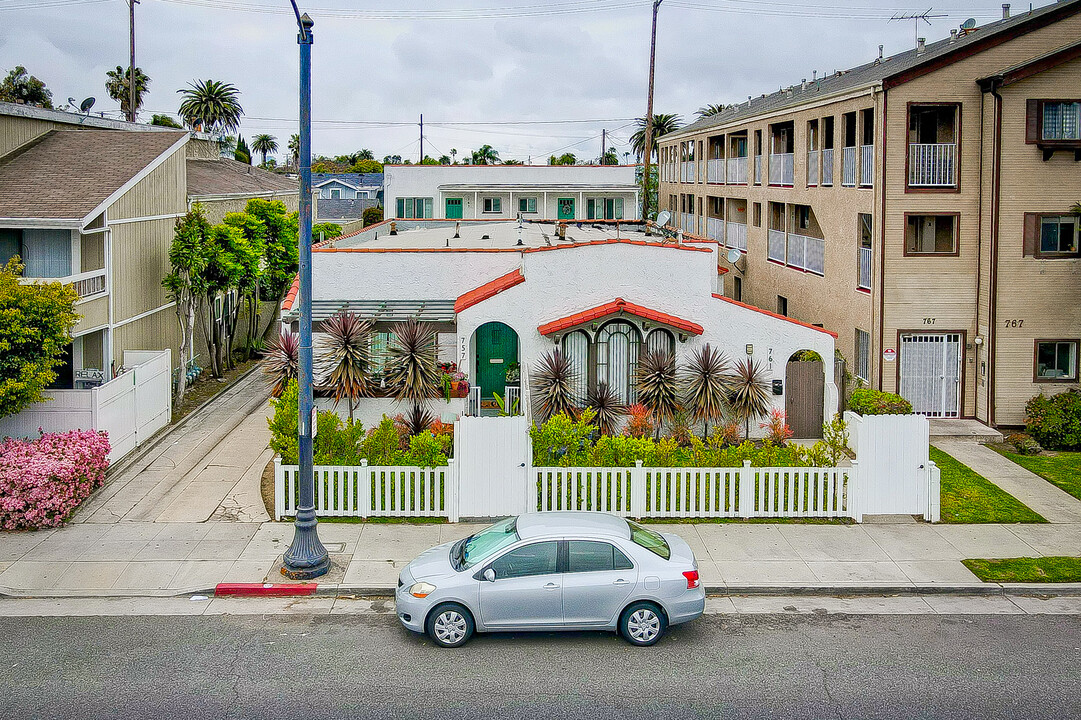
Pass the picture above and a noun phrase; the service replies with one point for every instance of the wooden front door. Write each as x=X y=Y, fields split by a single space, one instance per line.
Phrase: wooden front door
x=454 y=209
x=804 y=394
x=497 y=348
x=566 y=208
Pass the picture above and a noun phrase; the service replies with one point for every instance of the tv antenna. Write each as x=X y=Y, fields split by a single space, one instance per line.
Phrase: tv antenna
x=927 y=15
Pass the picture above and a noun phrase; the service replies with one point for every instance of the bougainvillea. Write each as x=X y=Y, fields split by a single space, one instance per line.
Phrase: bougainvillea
x=42 y=481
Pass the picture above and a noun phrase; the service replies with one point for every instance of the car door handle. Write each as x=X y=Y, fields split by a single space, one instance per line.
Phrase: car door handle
x=551 y=586
x=621 y=581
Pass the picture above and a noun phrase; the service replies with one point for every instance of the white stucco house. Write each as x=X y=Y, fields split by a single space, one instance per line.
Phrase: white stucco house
x=499 y=293
x=538 y=192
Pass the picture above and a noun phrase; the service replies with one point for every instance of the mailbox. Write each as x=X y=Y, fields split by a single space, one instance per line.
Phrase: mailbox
x=778 y=387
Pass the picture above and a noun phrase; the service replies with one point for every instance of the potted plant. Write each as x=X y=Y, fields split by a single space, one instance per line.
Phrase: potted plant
x=514 y=373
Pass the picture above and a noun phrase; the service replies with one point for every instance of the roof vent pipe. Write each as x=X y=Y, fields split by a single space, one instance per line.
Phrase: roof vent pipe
x=880 y=51
x=814 y=75
x=953 y=36
x=921 y=46
x=803 y=84
x=1005 y=11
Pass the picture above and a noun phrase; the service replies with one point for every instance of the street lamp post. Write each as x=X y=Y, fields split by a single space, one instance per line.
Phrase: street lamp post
x=306 y=557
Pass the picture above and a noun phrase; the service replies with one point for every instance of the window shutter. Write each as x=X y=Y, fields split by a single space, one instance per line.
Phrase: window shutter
x=1032 y=232
x=1032 y=121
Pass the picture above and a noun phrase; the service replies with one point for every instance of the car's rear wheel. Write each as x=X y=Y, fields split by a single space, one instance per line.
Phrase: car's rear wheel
x=450 y=625
x=642 y=624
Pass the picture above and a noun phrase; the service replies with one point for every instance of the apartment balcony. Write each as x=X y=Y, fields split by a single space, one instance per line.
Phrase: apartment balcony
x=688 y=223
x=812 y=167
x=715 y=229
x=848 y=166
x=867 y=165
x=757 y=169
x=807 y=253
x=775 y=246
x=864 y=282
x=88 y=285
x=782 y=169
x=736 y=235
x=737 y=171
x=827 y=167
x=687 y=173
x=932 y=165
x=715 y=170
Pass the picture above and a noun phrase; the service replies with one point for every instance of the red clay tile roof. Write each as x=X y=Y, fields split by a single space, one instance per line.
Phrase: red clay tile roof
x=488 y=289
x=291 y=294
x=229 y=177
x=775 y=315
x=616 y=306
x=619 y=241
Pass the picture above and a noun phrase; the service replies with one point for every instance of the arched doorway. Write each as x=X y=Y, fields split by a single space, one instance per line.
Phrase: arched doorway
x=496 y=351
x=805 y=387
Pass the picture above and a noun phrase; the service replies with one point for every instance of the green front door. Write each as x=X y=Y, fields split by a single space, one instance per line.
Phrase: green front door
x=497 y=348
x=566 y=208
x=454 y=209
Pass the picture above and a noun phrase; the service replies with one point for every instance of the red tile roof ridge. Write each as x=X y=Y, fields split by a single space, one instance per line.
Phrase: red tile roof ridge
x=291 y=294
x=775 y=315
x=615 y=306
x=488 y=289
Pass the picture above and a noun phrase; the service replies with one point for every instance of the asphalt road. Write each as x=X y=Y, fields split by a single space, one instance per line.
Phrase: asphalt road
x=365 y=666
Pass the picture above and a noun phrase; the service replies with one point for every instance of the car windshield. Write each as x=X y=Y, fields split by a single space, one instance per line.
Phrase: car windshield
x=475 y=548
x=649 y=540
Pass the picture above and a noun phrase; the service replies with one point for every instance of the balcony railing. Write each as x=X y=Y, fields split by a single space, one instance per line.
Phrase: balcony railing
x=757 y=169
x=812 y=167
x=865 y=269
x=715 y=170
x=781 y=169
x=737 y=171
x=932 y=164
x=687 y=175
x=775 y=246
x=807 y=253
x=827 y=167
x=87 y=284
x=688 y=224
x=848 y=166
x=867 y=165
x=736 y=235
x=715 y=229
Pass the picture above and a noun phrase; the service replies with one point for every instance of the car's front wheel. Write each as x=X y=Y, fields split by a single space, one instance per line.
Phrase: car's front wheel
x=450 y=625
x=642 y=624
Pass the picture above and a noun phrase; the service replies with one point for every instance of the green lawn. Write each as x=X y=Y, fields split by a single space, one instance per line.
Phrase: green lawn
x=1029 y=570
x=1059 y=468
x=968 y=497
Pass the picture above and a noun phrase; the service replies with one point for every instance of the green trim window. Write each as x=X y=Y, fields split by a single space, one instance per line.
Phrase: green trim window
x=414 y=208
x=1058 y=235
x=493 y=205
x=527 y=205
x=604 y=208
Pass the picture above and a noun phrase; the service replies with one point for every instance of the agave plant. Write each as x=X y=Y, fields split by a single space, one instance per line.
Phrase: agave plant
x=706 y=385
x=658 y=386
x=604 y=401
x=417 y=420
x=282 y=363
x=750 y=396
x=345 y=361
x=412 y=373
x=553 y=382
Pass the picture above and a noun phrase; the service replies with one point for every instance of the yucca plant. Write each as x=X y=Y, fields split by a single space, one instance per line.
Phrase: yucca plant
x=749 y=397
x=411 y=372
x=282 y=362
x=553 y=382
x=706 y=384
x=604 y=401
x=417 y=420
x=658 y=385
x=344 y=363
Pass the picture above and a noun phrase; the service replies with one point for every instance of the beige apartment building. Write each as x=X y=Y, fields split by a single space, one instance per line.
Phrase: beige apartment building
x=918 y=205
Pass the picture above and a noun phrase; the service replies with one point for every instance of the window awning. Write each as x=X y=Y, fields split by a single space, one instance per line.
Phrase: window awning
x=619 y=306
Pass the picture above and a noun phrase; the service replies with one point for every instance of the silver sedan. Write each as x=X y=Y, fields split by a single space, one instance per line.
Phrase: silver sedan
x=552 y=571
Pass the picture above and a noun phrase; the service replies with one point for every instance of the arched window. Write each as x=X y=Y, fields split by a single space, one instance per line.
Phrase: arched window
x=661 y=339
x=575 y=348
x=617 y=358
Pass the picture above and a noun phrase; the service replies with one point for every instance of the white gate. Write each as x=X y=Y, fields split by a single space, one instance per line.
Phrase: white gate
x=931 y=373
x=896 y=475
x=492 y=456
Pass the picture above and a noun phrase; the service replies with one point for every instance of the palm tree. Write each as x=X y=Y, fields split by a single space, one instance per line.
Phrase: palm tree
x=211 y=106
x=119 y=81
x=610 y=157
x=453 y=155
x=663 y=124
x=710 y=110
x=706 y=385
x=264 y=144
x=485 y=155
x=345 y=362
x=294 y=149
x=1076 y=209
x=554 y=379
x=658 y=387
x=749 y=396
x=364 y=154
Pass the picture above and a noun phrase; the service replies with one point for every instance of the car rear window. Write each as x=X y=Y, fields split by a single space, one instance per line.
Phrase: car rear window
x=649 y=540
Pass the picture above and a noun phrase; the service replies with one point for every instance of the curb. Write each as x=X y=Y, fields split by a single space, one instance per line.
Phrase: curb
x=264 y=589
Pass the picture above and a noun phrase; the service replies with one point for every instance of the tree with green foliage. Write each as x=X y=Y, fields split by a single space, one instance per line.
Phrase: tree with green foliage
x=663 y=124
x=372 y=215
x=264 y=144
x=392 y=159
x=564 y=159
x=280 y=254
x=118 y=83
x=251 y=277
x=485 y=155
x=710 y=110
x=610 y=157
x=20 y=86
x=366 y=166
x=211 y=106
x=512 y=162
x=185 y=283
x=242 y=153
x=165 y=121
x=325 y=231
x=226 y=252
x=294 y=149
x=36 y=321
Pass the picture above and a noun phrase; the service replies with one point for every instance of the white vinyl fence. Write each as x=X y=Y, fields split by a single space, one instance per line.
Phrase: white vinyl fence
x=897 y=475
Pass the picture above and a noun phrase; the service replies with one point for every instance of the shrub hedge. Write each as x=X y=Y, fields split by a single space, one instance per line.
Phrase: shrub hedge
x=1055 y=421
x=875 y=402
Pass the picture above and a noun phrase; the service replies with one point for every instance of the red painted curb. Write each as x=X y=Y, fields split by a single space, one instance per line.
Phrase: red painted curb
x=264 y=589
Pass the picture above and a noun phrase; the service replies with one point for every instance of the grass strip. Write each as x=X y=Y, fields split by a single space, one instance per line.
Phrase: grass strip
x=968 y=497
x=1060 y=468
x=1026 y=569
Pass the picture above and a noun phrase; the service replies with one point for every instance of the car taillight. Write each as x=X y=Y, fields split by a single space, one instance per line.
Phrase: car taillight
x=692 y=579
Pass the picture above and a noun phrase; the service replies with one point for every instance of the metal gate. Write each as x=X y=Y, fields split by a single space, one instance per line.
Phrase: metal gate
x=804 y=395
x=931 y=373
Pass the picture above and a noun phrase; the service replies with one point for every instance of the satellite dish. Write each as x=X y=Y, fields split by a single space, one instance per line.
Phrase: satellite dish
x=664 y=218
x=86 y=105
x=733 y=256
x=968 y=24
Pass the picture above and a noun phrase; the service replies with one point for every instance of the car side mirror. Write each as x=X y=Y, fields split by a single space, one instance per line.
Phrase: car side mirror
x=489 y=575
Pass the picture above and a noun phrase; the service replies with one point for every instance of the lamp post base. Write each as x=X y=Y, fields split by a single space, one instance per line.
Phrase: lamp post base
x=306 y=557
x=307 y=573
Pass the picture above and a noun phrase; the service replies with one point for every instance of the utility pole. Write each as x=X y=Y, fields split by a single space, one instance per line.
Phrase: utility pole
x=649 y=115
x=422 y=138
x=306 y=557
x=604 y=134
x=131 y=70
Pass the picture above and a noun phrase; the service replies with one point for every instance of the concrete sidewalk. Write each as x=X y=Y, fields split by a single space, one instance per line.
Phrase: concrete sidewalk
x=175 y=558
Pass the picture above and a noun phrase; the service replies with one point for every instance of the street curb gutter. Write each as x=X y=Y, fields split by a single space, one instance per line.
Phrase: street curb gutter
x=264 y=589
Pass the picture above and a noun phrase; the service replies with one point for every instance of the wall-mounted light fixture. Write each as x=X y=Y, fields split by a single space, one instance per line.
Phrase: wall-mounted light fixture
x=750 y=349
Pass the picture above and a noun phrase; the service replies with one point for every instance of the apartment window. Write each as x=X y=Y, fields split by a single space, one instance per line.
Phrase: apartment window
x=335 y=194
x=758 y=214
x=865 y=253
x=1058 y=235
x=802 y=216
x=931 y=235
x=604 y=208
x=782 y=305
x=863 y=354
x=737 y=289
x=1056 y=361
x=493 y=205
x=1061 y=121
x=419 y=208
x=932 y=145
x=527 y=205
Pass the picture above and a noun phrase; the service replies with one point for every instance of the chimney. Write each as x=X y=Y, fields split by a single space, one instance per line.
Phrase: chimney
x=953 y=36
x=921 y=46
x=1005 y=11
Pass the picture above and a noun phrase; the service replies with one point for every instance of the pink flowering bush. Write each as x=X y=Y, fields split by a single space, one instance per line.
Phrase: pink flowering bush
x=42 y=481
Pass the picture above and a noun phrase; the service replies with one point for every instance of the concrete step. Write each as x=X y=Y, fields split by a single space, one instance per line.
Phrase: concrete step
x=964 y=430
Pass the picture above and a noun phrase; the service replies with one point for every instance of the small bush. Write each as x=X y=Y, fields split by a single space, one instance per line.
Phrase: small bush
x=426 y=450
x=1024 y=444
x=284 y=429
x=639 y=423
x=383 y=444
x=372 y=215
x=875 y=402
x=337 y=442
x=43 y=481
x=1055 y=421
x=777 y=430
x=562 y=441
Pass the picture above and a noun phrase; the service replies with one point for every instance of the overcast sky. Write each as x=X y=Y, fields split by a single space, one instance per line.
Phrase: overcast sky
x=379 y=62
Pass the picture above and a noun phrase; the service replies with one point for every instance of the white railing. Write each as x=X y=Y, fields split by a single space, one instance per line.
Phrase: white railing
x=472 y=401
x=715 y=170
x=757 y=169
x=715 y=229
x=781 y=169
x=512 y=398
x=688 y=173
x=775 y=246
x=867 y=165
x=796 y=251
x=848 y=166
x=688 y=223
x=932 y=164
x=736 y=235
x=686 y=492
x=812 y=167
x=807 y=253
x=827 y=167
x=865 y=269
x=737 y=171
x=86 y=284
